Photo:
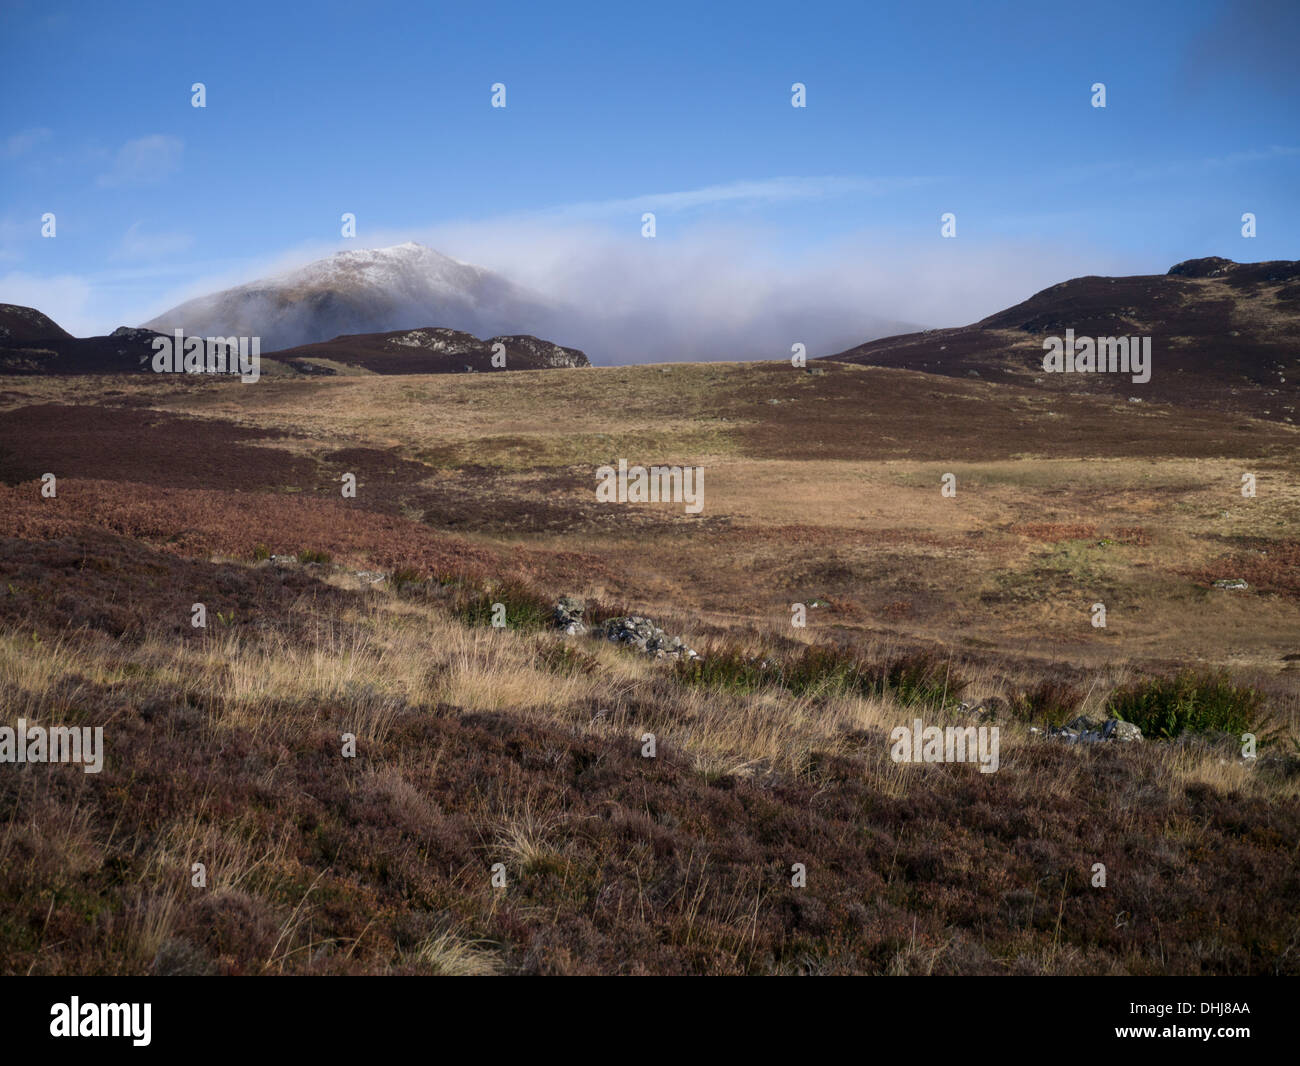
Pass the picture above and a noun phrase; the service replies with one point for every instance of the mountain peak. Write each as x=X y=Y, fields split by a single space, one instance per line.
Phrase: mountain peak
x=406 y=248
x=364 y=290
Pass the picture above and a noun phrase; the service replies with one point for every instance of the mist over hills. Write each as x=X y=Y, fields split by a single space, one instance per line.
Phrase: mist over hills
x=378 y=290
x=1222 y=332
x=410 y=286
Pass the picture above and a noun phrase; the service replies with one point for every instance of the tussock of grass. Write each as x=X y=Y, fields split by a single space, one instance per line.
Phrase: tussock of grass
x=1052 y=702
x=565 y=658
x=448 y=954
x=526 y=842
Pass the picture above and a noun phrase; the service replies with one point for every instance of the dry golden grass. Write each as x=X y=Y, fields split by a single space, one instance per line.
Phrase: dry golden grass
x=364 y=666
x=448 y=954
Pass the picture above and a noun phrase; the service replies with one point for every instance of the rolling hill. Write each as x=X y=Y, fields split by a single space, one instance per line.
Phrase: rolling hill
x=428 y=350
x=32 y=343
x=1222 y=333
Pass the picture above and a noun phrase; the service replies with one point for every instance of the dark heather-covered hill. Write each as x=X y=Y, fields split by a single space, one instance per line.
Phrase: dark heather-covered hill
x=26 y=325
x=1223 y=335
x=428 y=350
x=32 y=343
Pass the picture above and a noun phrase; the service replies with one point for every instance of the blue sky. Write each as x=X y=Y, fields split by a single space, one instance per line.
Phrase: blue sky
x=914 y=109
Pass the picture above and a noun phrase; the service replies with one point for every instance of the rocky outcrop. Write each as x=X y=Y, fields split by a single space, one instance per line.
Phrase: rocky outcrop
x=539 y=354
x=431 y=350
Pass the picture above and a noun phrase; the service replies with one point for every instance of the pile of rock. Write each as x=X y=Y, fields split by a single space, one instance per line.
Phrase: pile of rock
x=645 y=636
x=1084 y=729
x=1093 y=730
x=568 y=616
x=633 y=630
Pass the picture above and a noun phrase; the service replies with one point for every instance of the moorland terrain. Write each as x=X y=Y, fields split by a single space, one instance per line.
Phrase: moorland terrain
x=477 y=745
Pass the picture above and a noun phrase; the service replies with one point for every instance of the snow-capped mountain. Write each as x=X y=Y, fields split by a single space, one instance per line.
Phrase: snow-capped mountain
x=365 y=291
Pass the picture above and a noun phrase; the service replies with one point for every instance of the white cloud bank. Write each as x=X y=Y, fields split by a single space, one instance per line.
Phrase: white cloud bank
x=746 y=289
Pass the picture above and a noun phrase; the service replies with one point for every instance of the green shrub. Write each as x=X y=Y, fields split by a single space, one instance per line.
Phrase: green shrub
x=525 y=608
x=307 y=556
x=922 y=678
x=726 y=668
x=1189 y=702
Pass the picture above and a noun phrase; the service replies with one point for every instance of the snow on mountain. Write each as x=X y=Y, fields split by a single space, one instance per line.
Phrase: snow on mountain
x=365 y=291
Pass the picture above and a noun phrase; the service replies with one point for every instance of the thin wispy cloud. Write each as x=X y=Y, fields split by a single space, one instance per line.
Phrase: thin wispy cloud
x=1173 y=170
x=143 y=161
x=139 y=243
x=741 y=194
x=19 y=144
